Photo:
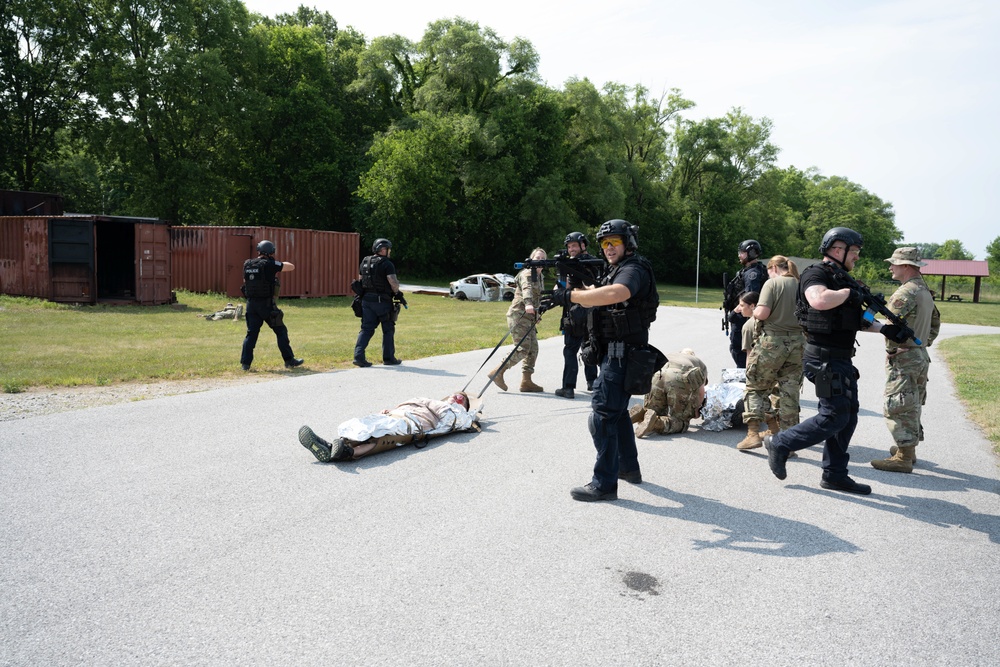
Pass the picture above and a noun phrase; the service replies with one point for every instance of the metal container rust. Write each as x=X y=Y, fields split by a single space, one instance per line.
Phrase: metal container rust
x=86 y=259
x=210 y=259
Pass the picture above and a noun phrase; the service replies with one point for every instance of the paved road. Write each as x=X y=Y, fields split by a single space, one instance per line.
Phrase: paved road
x=195 y=530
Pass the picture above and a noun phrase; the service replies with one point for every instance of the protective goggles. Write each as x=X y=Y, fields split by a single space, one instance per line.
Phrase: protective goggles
x=612 y=242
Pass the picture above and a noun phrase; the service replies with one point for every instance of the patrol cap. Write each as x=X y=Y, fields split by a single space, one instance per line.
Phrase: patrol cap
x=907 y=255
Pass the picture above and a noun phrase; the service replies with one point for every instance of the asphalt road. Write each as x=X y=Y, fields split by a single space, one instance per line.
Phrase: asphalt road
x=195 y=530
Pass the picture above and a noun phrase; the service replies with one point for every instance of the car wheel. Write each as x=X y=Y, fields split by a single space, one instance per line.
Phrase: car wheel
x=508 y=296
x=460 y=296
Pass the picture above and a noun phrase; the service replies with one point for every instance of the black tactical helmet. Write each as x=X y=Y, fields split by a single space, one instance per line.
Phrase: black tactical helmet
x=751 y=248
x=266 y=248
x=576 y=237
x=623 y=229
x=379 y=244
x=845 y=234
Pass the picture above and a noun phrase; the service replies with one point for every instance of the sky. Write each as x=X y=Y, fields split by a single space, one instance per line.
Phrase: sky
x=899 y=96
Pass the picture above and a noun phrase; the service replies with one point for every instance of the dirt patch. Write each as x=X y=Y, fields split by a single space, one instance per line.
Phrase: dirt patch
x=48 y=400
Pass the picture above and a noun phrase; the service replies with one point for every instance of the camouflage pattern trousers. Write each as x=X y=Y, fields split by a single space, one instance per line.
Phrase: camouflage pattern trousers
x=774 y=364
x=674 y=397
x=528 y=349
x=905 y=394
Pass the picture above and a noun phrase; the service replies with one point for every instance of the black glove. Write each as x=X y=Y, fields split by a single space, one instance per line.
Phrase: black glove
x=398 y=296
x=894 y=333
x=855 y=298
x=560 y=296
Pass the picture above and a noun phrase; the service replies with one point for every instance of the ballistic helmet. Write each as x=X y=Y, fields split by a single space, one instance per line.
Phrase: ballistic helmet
x=751 y=247
x=266 y=248
x=622 y=228
x=576 y=237
x=845 y=234
x=379 y=244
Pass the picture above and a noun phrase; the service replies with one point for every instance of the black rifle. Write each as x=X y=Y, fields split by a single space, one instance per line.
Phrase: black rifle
x=564 y=264
x=727 y=307
x=874 y=303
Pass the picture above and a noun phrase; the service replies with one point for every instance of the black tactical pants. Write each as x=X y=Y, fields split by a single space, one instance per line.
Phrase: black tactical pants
x=260 y=312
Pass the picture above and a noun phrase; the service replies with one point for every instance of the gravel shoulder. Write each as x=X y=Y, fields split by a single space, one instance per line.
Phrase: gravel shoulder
x=39 y=401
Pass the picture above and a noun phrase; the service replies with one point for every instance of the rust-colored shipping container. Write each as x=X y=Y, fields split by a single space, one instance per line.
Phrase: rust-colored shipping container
x=210 y=259
x=86 y=259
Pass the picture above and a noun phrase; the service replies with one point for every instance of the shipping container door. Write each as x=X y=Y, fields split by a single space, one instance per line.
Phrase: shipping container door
x=152 y=251
x=71 y=255
x=239 y=248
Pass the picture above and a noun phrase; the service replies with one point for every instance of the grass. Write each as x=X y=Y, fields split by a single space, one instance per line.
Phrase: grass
x=975 y=363
x=48 y=344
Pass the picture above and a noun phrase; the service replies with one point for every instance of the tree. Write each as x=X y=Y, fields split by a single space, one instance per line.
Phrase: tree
x=993 y=256
x=166 y=76
x=953 y=249
x=41 y=42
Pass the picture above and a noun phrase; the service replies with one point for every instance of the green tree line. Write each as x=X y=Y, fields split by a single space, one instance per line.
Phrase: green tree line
x=200 y=112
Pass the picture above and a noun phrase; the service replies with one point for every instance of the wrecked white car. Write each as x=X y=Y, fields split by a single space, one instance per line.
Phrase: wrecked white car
x=483 y=287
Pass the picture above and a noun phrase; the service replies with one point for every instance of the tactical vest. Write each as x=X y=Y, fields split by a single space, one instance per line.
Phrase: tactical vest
x=633 y=317
x=372 y=280
x=842 y=318
x=255 y=279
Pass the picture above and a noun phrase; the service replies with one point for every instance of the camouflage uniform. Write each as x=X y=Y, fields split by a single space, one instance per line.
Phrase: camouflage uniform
x=674 y=396
x=775 y=364
x=906 y=364
x=527 y=291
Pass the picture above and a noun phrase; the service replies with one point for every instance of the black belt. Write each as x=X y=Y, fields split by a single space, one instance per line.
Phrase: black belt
x=369 y=296
x=825 y=353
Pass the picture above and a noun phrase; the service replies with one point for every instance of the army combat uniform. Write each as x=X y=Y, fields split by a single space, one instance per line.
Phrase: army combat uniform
x=906 y=365
x=528 y=290
x=674 y=399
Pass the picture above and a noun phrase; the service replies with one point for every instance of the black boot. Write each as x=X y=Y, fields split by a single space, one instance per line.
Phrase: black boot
x=845 y=484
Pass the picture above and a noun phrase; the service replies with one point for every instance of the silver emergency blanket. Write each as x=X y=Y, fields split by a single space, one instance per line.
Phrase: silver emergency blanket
x=360 y=429
x=721 y=399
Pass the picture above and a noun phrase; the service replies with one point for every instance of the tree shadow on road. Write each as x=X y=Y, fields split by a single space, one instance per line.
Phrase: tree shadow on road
x=743 y=530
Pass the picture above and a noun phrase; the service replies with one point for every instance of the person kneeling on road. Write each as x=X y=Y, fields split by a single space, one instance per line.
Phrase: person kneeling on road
x=415 y=420
x=676 y=397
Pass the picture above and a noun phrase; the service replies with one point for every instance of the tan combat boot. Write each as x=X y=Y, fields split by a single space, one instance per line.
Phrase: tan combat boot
x=651 y=423
x=527 y=384
x=901 y=461
x=752 y=441
x=497 y=376
x=636 y=413
x=894 y=449
x=773 y=428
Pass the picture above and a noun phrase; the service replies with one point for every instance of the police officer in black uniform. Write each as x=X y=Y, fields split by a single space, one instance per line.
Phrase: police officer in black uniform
x=260 y=288
x=623 y=306
x=830 y=310
x=574 y=320
x=750 y=278
x=378 y=303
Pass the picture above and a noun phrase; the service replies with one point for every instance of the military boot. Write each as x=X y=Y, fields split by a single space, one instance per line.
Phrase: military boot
x=752 y=441
x=527 y=384
x=636 y=413
x=497 y=376
x=901 y=461
x=894 y=449
x=651 y=423
x=773 y=427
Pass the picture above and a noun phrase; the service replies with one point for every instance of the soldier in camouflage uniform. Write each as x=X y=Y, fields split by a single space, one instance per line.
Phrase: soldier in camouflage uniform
x=776 y=357
x=522 y=316
x=906 y=363
x=676 y=396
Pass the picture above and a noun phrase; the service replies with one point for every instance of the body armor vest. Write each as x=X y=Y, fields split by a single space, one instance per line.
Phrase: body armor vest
x=372 y=280
x=842 y=318
x=620 y=321
x=255 y=281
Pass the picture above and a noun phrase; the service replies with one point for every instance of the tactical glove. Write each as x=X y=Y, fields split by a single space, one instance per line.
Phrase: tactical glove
x=560 y=296
x=398 y=296
x=894 y=333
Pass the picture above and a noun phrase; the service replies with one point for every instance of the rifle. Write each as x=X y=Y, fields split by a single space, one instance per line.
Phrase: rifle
x=726 y=309
x=875 y=304
x=565 y=264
